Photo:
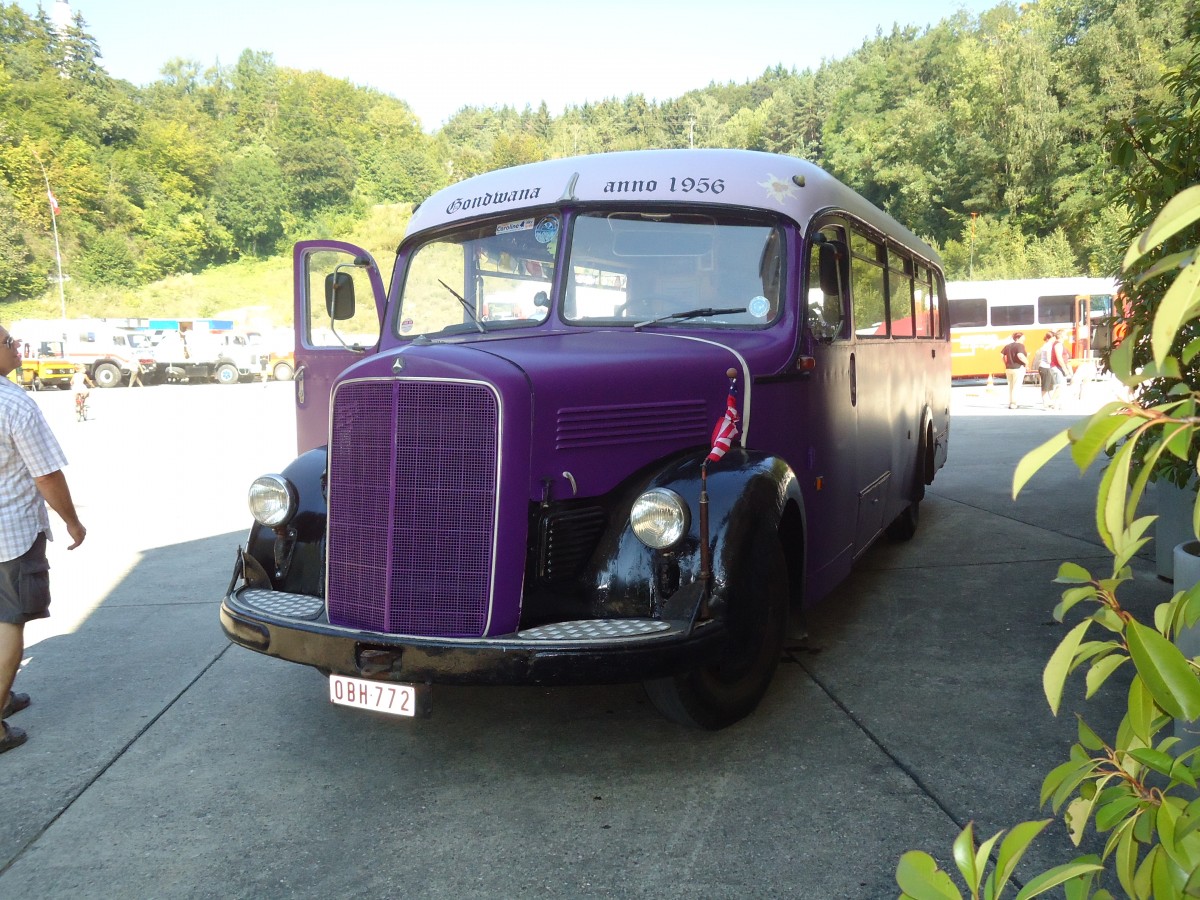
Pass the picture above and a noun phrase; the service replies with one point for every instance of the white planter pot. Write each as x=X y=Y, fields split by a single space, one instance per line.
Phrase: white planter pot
x=1173 y=525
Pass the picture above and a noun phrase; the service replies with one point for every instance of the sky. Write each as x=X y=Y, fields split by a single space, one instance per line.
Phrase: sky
x=441 y=55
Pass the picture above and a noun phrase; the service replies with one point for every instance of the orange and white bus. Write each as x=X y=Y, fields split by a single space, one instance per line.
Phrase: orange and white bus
x=985 y=314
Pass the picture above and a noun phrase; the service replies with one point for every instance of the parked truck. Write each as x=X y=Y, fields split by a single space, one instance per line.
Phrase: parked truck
x=224 y=357
x=43 y=366
x=105 y=350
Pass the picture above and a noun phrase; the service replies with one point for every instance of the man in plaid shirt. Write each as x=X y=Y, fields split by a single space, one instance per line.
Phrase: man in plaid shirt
x=30 y=477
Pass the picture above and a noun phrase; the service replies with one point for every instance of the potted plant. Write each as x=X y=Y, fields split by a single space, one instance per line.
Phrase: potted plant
x=1139 y=786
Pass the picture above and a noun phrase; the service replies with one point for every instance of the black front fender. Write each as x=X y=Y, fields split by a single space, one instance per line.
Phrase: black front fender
x=747 y=492
x=293 y=554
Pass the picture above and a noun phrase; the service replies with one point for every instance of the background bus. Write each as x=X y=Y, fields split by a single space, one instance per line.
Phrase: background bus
x=984 y=315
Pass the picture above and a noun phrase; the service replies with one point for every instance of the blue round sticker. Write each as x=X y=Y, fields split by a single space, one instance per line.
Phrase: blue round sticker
x=759 y=307
x=546 y=230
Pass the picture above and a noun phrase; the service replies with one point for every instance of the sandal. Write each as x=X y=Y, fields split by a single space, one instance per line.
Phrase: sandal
x=16 y=703
x=13 y=737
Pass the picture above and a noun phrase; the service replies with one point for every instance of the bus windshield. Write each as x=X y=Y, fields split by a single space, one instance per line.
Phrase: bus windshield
x=625 y=268
x=481 y=278
x=642 y=268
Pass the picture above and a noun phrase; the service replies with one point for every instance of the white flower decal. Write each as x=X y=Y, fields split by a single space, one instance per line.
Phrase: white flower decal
x=778 y=189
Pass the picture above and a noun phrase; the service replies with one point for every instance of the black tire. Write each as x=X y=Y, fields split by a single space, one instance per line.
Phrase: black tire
x=730 y=688
x=37 y=384
x=227 y=374
x=282 y=372
x=107 y=375
x=904 y=526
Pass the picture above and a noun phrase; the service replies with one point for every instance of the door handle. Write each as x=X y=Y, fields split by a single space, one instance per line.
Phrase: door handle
x=853 y=381
x=298 y=377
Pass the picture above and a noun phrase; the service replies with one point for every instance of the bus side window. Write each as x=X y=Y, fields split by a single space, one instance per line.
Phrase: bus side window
x=868 y=287
x=923 y=303
x=900 y=295
x=827 y=281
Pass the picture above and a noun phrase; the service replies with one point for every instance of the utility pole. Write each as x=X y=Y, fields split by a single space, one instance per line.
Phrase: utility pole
x=62 y=297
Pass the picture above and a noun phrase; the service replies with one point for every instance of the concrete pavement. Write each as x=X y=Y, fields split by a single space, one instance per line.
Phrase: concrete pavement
x=164 y=763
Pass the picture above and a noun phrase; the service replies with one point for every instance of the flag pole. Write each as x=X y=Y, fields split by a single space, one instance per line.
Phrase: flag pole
x=724 y=433
x=62 y=297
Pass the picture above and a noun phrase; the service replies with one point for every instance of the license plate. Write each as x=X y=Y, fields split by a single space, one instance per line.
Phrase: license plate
x=379 y=696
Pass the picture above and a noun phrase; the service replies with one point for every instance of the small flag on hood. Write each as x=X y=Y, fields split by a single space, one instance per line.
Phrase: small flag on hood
x=727 y=427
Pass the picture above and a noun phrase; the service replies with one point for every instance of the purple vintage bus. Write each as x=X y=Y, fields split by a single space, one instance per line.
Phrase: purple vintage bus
x=512 y=463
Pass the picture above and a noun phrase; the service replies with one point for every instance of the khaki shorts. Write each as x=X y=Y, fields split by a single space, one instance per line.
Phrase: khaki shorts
x=25 y=585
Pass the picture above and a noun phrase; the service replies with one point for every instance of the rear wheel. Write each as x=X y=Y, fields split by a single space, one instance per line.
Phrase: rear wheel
x=106 y=375
x=904 y=527
x=730 y=688
x=282 y=372
x=228 y=374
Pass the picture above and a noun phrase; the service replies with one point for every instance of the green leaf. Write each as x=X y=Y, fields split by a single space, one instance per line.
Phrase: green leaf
x=1076 y=815
x=1101 y=430
x=1087 y=737
x=1141 y=710
x=1155 y=759
x=1114 y=811
x=1167 y=263
x=1071 y=597
x=1181 y=211
x=1167 y=675
x=1052 y=878
x=1120 y=360
x=1126 y=862
x=1054 y=676
x=964 y=857
x=921 y=879
x=1100 y=671
x=1069 y=781
x=1111 y=494
x=1073 y=573
x=1180 y=303
x=1032 y=461
x=1012 y=848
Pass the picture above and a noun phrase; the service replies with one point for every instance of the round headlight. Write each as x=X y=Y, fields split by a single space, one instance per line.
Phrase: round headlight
x=272 y=500
x=659 y=518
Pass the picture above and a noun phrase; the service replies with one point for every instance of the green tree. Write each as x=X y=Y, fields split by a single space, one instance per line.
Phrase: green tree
x=249 y=199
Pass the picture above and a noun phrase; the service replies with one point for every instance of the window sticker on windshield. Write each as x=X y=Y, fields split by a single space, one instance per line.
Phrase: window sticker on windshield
x=759 y=307
x=547 y=230
x=406 y=326
x=507 y=227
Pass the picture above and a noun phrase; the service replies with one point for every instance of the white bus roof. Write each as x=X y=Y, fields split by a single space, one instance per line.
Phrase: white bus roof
x=747 y=179
x=1030 y=288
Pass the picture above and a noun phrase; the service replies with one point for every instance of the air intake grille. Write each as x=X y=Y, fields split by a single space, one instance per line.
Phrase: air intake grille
x=412 y=506
x=618 y=426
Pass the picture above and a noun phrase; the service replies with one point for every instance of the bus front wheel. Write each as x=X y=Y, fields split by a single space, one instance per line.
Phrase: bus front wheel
x=730 y=688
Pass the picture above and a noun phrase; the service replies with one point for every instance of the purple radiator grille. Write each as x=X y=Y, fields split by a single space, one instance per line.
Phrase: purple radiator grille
x=412 y=506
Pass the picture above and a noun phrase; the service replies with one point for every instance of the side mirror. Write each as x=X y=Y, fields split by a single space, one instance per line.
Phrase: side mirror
x=339 y=296
x=832 y=260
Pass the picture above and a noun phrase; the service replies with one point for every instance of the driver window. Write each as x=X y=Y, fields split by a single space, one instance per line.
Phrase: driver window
x=361 y=329
x=826 y=311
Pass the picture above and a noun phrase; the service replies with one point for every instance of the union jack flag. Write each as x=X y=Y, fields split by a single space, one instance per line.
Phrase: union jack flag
x=727 y=427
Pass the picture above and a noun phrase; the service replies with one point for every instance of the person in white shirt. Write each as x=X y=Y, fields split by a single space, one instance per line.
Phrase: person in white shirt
x=31 y=477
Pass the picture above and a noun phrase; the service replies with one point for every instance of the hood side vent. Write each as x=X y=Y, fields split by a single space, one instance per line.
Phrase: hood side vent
x=602 y=426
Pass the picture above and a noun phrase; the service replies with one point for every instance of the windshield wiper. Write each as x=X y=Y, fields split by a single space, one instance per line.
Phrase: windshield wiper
x=465 y=305
x=693 y=314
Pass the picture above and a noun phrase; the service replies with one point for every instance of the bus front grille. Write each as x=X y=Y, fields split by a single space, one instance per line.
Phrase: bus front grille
x=412 y=506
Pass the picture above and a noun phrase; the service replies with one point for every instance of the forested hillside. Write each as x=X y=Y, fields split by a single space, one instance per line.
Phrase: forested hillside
x=992 y=137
